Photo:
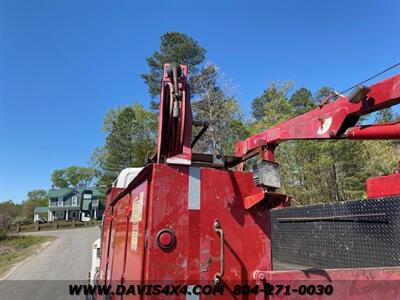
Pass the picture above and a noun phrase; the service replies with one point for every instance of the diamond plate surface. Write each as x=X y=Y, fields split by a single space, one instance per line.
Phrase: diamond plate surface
x=365 y=233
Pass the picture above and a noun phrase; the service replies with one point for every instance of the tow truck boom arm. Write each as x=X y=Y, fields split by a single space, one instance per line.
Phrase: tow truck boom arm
x=335 y=120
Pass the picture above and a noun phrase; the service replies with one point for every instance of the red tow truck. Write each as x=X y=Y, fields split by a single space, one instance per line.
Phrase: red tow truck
x=194 y=225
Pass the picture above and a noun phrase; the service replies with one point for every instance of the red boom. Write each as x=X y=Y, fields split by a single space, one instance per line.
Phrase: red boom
x=331 y=121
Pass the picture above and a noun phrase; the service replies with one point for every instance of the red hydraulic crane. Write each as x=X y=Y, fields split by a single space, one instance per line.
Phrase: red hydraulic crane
x=335 y=120
x=199 y=221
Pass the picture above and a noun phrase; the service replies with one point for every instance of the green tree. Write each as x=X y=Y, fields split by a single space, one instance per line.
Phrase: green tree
x=73 y=176
x=322 y=93
x=131 y=135
x=35 y=198
x=98 y=160
x=9 y=211
x=59 y=178
x=222 y=112
x=37 y=195
x=382 y=157
x=276 y=92
x=174 y=47
x=302 y=100
x=10 y=208
x=5 y=223
x=386 y=115
x=27 y=209
x=344 y=164
x=272 y=107
x=109 y=119
x=313 y=171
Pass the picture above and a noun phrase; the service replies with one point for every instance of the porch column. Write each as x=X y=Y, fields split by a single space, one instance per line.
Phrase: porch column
x=66 y=215
x=49 y=215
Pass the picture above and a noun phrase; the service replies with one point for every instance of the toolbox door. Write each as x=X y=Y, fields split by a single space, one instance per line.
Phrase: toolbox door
x=244 y=244
x=120 y=223
x=133 y=273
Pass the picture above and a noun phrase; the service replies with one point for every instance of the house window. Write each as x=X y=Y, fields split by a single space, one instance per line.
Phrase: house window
x=95 y=203
x=60 y=202
x=74 y=201
x=53 y=201
x=87 y=196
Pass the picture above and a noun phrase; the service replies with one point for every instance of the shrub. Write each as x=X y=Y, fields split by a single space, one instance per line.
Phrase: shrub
x=5 y=224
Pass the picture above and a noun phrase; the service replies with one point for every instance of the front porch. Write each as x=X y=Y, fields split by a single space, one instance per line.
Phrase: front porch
x=38 y=212
x=65 y=213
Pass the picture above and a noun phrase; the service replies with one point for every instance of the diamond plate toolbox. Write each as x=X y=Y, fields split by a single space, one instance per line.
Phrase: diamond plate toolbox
x=351 y=234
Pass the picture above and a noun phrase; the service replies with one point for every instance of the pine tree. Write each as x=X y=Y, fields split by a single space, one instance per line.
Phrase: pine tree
x=222 y=113
x=132 y=134
x=174 y=47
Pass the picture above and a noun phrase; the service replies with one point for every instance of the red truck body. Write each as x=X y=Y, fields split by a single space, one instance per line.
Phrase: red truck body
x=187 y=201
x=196 y=224
x=179 y=198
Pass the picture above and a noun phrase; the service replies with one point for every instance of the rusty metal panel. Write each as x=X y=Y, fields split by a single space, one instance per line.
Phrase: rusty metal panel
x=106 y=234
x=120 y=222
x=351 y=234
x=167 y=209
x=246 y=232
x=135 y=238
x=357 y=284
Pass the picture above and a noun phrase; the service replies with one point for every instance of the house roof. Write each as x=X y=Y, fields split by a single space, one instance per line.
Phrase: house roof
x=56 y=193
x=64 y=208
x=40 y=209
x=97 y=193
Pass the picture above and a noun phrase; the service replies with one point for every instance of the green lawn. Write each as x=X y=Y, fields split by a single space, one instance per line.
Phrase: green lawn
x=13 y=249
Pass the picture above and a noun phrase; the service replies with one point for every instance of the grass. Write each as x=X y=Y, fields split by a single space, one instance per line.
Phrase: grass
x=14 y=249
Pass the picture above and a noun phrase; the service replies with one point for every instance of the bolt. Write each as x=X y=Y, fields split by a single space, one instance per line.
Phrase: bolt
x=261 y=277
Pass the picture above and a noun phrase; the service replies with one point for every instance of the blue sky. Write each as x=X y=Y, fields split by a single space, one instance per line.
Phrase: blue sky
x=64 y=63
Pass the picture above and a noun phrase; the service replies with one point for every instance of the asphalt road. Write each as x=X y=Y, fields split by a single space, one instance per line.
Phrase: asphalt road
x=48 y=274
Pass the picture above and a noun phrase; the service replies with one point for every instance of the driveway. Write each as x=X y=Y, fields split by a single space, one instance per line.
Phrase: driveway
x=48 y=274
